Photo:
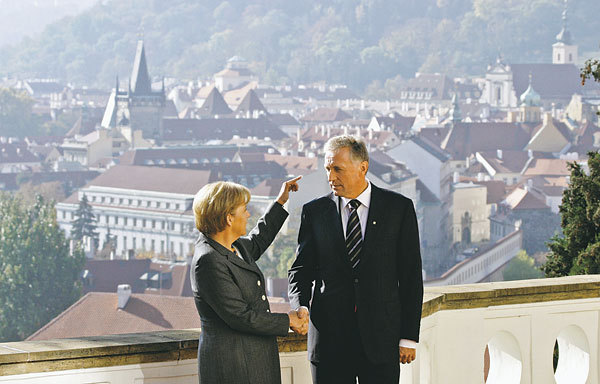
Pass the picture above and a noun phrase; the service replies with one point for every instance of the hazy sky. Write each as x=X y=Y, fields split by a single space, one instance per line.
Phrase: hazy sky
x=20 y=18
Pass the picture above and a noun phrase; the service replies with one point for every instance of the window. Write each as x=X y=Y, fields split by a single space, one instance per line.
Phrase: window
x=152 y=245
x=153 y=224
x=570 y=57
x=558 y=57
x=134 y=222
x=162 y=246
x=144 y=223
x=499 y=94
x=143 y=244
x=134 y=243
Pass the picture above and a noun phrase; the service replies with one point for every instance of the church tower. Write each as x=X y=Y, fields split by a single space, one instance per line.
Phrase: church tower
x=145 y=105
x=564 y=51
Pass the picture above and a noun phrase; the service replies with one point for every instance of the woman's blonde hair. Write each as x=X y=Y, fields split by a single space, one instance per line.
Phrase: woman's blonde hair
x=214 y=202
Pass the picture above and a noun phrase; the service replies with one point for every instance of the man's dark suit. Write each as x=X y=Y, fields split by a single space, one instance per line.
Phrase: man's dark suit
x=386 y=287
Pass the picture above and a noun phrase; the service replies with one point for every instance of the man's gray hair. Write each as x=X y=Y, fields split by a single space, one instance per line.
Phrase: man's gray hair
x=358 y=148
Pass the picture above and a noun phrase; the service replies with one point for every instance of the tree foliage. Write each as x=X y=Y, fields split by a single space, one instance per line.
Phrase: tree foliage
x=16 y=117
x=356 y=41
x=84 y=223
x=38 y=274
x=522 y=267
x=578 y=252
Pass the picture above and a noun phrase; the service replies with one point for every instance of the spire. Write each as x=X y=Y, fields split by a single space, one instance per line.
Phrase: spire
x=117 y=86
x=455 y=111
x=564 y=36
x=140 y=80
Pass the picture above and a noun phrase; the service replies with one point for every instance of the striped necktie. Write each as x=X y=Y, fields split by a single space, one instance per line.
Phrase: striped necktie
x=354 y=234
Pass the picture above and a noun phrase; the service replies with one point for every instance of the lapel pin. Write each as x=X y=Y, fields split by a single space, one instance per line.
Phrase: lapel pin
x=374 y=222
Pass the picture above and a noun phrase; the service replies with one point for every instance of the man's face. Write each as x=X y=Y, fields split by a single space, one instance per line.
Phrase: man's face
x=346 y=177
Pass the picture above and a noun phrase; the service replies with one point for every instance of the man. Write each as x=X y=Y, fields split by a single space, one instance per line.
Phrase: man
x=359 y=245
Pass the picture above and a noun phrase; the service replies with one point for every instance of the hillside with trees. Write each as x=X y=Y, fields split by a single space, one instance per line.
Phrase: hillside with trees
x=357 y=42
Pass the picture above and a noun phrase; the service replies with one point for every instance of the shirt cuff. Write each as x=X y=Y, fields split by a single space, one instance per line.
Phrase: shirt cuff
x=405 y=343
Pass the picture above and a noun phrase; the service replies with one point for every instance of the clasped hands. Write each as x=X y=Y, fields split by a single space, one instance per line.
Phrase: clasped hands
x=299 y=320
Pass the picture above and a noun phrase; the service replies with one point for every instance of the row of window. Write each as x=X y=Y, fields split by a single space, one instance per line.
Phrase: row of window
x=136 y=223
x=183 y=161
x=145 y=244
x=136 y=202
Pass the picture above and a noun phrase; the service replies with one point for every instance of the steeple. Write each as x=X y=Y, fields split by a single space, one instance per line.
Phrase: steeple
x=564 y=36
x=564 y=51
x=140 y=80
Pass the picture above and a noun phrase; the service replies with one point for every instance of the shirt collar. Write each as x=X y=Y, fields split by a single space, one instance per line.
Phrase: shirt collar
x=364 y=197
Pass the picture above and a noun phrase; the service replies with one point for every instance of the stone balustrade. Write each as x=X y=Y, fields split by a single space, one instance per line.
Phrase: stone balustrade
x=505 y=332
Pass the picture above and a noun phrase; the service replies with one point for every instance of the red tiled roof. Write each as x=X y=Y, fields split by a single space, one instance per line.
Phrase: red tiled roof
x=157 y=179
x=548 y=167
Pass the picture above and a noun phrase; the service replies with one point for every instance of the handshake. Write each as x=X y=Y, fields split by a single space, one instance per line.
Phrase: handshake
x=299 y=320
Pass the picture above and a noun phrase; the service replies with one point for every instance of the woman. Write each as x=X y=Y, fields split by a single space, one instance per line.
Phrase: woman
x=238 y=341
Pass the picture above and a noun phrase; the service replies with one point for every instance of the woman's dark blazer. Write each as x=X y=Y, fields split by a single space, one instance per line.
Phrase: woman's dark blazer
x=238 y=342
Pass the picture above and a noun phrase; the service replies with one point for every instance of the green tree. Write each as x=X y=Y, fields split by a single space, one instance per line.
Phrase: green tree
x=84 y=224
x=578 y=252
x=522 y=267
x=38 y=273
x=16 y=117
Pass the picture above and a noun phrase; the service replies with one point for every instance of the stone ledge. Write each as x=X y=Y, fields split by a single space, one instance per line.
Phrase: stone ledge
x=116 y=350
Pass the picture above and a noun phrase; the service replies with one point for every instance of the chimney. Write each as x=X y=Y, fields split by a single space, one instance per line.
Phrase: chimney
x=499 y=154
x=329 y=131
x=480 y=176
x=529 y=153
x=547 y=118
x=123 y=294
x=322 y=130
x=455 y=177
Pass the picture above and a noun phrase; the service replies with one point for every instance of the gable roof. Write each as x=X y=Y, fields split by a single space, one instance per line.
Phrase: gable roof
x=548 y=167
x=11 y=153
x=156 y=179
x=250 y=103
x=524 y=199
x=325 y=115
x=511 y=161
x=551 y=81
x=464 y=139
x=214 y=104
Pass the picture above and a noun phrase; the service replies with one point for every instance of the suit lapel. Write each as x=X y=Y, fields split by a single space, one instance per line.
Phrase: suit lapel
x=374 y=220
x=231 y=257
x=333 y=226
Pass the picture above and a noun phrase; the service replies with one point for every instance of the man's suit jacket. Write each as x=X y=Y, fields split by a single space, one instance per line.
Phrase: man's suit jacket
x=386 y=287
x=238 y=341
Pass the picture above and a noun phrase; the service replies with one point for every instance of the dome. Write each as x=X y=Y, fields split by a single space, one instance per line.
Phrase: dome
x=530 y=97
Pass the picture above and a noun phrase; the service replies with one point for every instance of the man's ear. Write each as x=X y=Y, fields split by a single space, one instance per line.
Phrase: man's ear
x=364 y=167
x=229 y=219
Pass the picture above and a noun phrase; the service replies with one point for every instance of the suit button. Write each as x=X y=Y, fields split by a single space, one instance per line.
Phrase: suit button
x=264 y=298
x=258 y=283
x=356 y=280
x=268 y=310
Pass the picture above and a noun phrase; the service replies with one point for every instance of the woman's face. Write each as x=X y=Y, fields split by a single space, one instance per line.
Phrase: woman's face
x=240 y=217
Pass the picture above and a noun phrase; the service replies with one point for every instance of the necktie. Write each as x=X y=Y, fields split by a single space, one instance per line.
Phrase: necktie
x=353 y=234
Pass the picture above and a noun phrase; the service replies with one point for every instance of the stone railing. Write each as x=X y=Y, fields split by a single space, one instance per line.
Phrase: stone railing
x=504 y=331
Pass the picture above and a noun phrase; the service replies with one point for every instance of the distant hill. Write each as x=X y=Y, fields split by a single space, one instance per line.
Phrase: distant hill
x=25 y=18
x=352 y=41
